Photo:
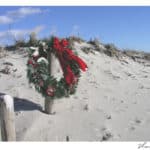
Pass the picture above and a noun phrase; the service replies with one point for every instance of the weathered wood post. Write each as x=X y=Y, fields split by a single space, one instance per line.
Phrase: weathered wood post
x=48 y=101
x=7 y=118
x=0 y=131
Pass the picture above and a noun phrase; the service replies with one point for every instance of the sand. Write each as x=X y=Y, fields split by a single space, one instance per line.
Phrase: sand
x=112 y=102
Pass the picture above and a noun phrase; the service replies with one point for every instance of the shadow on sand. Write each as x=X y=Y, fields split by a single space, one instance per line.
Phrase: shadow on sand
x=24 y=104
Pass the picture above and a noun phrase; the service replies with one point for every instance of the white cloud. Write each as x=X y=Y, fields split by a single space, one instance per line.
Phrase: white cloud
x=24 y=11
x=5 y=20
x=12 y=16
x=19 y=33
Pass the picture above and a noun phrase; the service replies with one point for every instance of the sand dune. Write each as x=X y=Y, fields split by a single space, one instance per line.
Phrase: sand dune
x=111 y=104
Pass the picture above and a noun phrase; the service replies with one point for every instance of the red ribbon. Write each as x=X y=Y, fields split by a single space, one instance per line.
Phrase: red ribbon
x=66 y=56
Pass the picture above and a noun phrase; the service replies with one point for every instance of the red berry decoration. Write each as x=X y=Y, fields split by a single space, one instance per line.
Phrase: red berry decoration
x=50 y=91
x=30 y=62
x=41 y=83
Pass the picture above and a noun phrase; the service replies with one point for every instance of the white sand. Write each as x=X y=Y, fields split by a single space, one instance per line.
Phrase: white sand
x=112 y=102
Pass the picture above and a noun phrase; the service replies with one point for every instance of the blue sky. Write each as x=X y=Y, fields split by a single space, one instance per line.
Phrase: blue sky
x=126 y=27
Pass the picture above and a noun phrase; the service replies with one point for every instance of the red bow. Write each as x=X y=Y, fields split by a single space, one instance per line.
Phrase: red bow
x=66 y=56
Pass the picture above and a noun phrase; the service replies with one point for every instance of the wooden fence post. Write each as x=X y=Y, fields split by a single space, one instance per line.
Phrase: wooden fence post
x=7 y=118
x=0 y=131
x=48 y=101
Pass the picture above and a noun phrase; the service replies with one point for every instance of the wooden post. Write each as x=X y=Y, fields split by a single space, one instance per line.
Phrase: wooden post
x=0 y=131
x=48 y=101
x=7 y=118
x=49 y=106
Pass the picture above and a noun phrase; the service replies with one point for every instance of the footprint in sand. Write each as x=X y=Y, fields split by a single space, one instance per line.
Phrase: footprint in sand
x=18 y=113
x=86 y=107
x=132 y=128
x=145 y=76
x=107 y=135
x=108 y=117
x=141 y=86
x=135 y=123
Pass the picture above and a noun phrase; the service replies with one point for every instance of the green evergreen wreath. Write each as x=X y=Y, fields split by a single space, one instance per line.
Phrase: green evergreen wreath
x=38 y=71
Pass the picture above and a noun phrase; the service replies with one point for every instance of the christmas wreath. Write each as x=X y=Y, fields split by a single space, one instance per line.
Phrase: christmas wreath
x=39 y=74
